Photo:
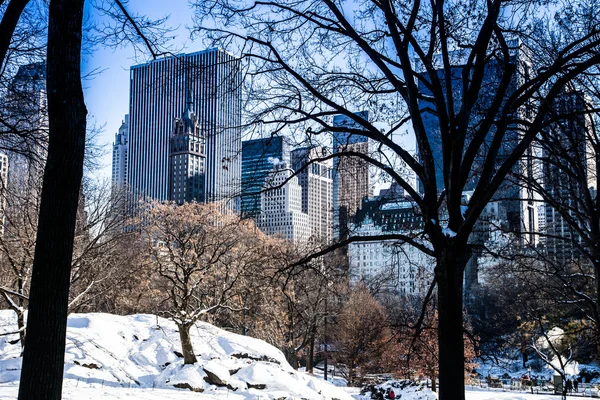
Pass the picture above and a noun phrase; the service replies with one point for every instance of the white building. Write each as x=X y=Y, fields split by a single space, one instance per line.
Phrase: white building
x=120 y=154
x=316 y=181
x=389 y=264
x=281 y=207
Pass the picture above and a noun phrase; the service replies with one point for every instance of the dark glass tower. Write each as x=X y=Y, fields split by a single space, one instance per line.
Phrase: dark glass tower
x=259 y=158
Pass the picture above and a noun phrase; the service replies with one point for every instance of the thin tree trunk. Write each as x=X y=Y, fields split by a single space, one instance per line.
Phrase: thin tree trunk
x=449 y=273
x=186 y=344
x=310 y=357
x=21 y=314
x=43 y=357
x=21 y=327
x=433 y=383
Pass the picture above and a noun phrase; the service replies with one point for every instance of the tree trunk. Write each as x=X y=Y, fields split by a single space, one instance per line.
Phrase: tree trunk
x=310 y=356
x=433 y=383
x=597 y=276
x=186 y=344
x=43 y=357
x=291 y=356
x=21 y=327
x=449 y=274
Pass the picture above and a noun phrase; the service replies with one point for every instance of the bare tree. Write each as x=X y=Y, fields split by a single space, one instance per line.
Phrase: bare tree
x=201 y=256
x=473 y=80
x=361 y=336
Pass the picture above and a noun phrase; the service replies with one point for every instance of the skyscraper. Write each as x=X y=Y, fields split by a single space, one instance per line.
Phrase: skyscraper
x=120 y=154
x=317 y=189
x=570 y=143
x=281 y=206
x=158 y=96
x=25 y=106
x=350 y=174
x=517 y=200
x=259 y=157
x=187 y=158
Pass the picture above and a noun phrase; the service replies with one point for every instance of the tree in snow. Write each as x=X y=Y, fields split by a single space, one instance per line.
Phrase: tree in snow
x=201 y=256
x=54 y=30
x=472 y=80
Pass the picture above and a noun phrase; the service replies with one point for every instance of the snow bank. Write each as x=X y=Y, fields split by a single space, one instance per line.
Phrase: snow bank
x=143 y=351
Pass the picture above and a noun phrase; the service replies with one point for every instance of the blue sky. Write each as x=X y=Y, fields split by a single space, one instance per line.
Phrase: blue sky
x=107 y=92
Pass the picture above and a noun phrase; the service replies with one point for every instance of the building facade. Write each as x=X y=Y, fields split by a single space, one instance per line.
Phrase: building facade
x=259 y=157
x=120 y=155
x=281 y=206
x=350 y=174
x=517 y=198
x=158 y=96
x=316 y=179
x=389 y=265
x=572 y=140
x=187 y=158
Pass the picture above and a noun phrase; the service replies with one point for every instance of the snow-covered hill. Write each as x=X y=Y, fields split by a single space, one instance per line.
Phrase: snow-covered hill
x=142 y=351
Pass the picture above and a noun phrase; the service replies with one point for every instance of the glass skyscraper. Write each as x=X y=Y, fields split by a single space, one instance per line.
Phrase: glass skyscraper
x=259 y=159
x=158 y=96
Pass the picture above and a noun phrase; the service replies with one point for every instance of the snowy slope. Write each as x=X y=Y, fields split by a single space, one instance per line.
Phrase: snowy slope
x=142 y=351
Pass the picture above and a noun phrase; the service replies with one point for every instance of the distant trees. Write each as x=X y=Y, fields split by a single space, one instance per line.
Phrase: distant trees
x=361 y=336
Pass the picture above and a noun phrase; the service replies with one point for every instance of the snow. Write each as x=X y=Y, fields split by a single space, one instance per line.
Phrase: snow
x=448 y=232
x=403 y=389
x=138 y=357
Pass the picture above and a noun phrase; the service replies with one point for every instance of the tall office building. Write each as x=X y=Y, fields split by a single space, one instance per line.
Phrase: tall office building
x=158 y=95
x=571 y=139
x=315 y=178
x=259 y=157
x=281 y=206
x=120 y=154
x=25 y=106
x=518 y=200
x=350 y=174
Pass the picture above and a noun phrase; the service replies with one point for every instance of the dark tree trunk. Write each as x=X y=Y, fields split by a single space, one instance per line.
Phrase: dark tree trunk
x=449 y=274
x=11 y=17
x=597 y=277
x=186 y=344
x=310 y=356
x=43 y=357
x=291 y=356
x=21 y=327
x=433 y=383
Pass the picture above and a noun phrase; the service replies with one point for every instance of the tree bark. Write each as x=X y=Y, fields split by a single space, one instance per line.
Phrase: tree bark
x=291 y=356
x=43 y=357
x=186 y=344
x=433 y=383
x=310 y=356
x=597 y=276
x=449 y=274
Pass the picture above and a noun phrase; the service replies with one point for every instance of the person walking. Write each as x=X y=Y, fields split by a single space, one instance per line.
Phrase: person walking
x=569 y=386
